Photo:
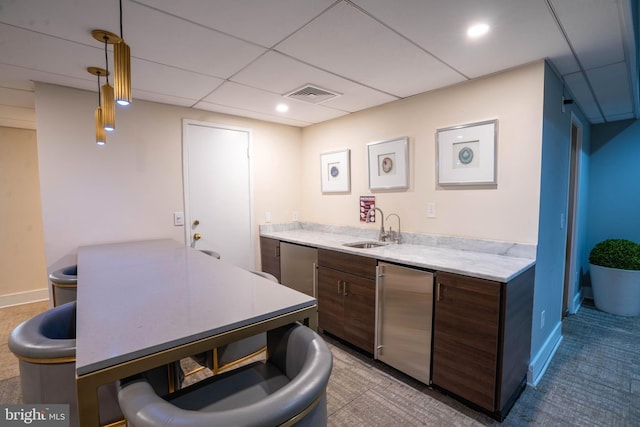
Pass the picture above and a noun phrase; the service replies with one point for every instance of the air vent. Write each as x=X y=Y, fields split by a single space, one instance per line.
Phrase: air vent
x=312 y=94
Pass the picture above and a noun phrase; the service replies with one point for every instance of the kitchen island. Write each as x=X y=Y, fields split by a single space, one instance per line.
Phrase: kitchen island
x=148 y=303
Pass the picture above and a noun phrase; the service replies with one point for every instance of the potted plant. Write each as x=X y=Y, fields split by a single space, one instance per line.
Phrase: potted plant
x=615 y=276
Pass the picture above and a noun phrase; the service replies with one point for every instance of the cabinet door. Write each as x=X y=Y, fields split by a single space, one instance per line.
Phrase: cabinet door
x=465 y=337
x=359 y=311
x=330 y=301
x=270 y=256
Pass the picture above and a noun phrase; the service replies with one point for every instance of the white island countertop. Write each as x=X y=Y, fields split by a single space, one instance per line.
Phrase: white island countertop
x=497 y=261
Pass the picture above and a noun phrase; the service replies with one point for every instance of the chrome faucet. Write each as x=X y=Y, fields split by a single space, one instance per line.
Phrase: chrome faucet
x=395 y=237
x=383 y=234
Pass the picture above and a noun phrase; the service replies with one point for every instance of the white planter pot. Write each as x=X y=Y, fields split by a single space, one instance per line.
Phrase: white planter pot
x=616 y=291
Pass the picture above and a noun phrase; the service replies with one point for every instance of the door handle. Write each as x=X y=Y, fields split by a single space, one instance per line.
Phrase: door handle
x=197 y=236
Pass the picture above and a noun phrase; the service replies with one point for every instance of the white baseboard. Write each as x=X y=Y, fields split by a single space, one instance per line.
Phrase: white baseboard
x=19 y=298
x=541 y=361
x=577 y=302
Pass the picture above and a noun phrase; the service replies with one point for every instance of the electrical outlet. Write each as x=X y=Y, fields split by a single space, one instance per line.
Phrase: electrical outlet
x=542 y=319
x=295 y=216
x=267 y=216
x=431 y=210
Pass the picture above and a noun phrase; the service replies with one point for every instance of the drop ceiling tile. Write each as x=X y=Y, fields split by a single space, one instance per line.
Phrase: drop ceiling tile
x=48 y=55
x=87 y=82
x=355 y=46
x=281 y=74
x=261 y=22
x=162 y=79
x=162 y=98
x=250 y=114
x=67 y=19
x=579 y=88
x=172 y=41
x=251 y=99
x=593 y=27
x=611 y=87
x=522 y=31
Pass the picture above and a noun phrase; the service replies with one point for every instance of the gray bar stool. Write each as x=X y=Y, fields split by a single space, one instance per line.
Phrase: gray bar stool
x=45 y=346
x=287 y=389
x=64 y=283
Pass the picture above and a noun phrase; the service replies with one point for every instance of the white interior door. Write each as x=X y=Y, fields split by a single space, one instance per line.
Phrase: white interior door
x=217 y=190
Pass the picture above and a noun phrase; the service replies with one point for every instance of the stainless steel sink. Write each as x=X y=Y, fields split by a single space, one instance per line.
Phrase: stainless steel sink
x=364 y=245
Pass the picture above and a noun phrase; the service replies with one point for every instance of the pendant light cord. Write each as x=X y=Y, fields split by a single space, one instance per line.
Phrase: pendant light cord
x=99 y=100
x=106 y=58
x=121 y=36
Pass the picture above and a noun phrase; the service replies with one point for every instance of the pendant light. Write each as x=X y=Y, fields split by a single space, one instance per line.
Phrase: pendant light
x=106 y=92
x=101 y=135
x=122 y=68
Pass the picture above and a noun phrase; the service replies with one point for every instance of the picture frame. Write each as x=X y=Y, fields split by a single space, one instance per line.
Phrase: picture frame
x=335 y=174
x=389 y=164
x=466 y=154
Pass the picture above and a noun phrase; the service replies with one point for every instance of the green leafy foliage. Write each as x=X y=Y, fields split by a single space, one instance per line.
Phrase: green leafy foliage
x=616 y=253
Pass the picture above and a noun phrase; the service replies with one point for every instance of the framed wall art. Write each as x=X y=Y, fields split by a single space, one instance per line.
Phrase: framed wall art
x=389 y=164
x=334 y=172
x=467 y=154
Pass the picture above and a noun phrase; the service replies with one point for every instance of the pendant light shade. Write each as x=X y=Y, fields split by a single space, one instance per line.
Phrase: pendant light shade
x=122 y=73
x=107 y=92
x=108 y=107
x=101 y=134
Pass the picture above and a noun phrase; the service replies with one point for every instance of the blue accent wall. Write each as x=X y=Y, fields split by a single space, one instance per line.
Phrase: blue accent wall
x=554 y=182
x=554 y=205
x=614 y=176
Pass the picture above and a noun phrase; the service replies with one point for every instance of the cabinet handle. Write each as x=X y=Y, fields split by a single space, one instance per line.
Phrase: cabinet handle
x=340 y=283
x=277 y=250
x=344 y=289
x=438 y=292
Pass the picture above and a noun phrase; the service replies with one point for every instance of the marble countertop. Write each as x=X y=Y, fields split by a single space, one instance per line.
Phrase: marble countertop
x=497 y=261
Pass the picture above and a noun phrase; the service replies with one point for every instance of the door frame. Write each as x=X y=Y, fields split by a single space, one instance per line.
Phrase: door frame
x=573 y=198
x=185 y=179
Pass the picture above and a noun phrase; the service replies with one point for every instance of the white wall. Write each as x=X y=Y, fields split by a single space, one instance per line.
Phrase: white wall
x=129 y=189
x=506 y=212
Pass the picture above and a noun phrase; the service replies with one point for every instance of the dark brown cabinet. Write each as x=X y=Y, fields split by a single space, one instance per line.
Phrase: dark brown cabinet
x=481 y=338
x=346 y=297
x=270 y=256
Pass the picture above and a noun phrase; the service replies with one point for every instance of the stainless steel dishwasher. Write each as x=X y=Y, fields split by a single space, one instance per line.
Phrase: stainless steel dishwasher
x=404 y=317
x=298 y=267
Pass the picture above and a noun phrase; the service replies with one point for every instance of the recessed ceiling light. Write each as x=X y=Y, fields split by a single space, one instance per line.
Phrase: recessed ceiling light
x=477 y=30
x=282 y=108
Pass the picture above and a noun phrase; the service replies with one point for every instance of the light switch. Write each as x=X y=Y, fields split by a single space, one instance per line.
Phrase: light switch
x=178 y=218
x=267 y=216
x=431 y=210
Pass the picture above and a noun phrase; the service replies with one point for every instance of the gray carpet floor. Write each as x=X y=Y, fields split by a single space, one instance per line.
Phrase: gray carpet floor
x=593 y=380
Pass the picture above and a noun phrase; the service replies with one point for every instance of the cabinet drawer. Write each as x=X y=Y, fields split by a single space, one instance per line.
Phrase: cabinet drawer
x=353 y=264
